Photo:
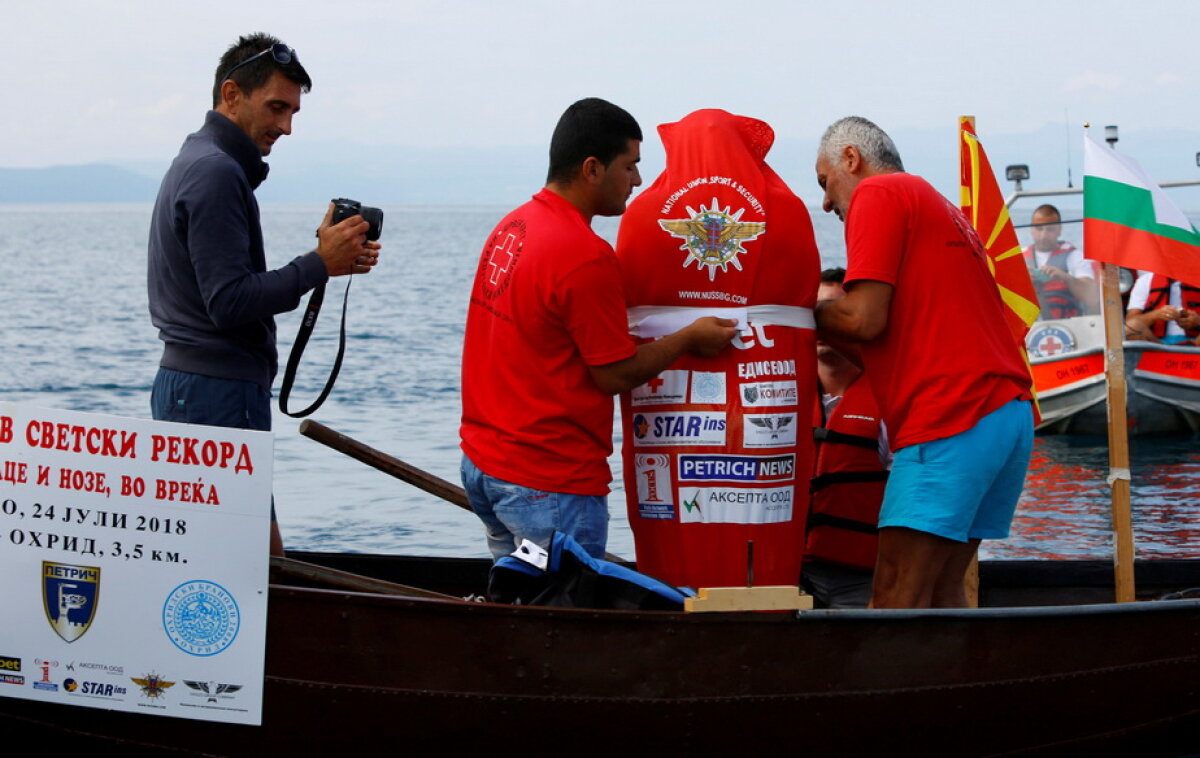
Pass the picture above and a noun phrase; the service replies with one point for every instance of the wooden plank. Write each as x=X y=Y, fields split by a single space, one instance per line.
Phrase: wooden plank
x=765 y=598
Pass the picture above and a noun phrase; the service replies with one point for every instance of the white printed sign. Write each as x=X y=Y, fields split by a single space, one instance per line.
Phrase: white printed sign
x=708 y=387
x=678 y=429
x=759 y=394
x=653 y=472
x=769 y=430
x=133 y=563
x=735 y=505
x=667 y=387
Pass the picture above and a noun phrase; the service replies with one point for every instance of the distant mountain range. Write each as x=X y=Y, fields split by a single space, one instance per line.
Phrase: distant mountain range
x=313 y=172
x=75 y=184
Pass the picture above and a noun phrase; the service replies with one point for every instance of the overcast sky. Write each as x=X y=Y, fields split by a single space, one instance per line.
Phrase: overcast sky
x=100 y=81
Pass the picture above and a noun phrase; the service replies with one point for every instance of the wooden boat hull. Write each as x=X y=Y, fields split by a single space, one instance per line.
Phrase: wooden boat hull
x=1067 y=358
x=350 y=670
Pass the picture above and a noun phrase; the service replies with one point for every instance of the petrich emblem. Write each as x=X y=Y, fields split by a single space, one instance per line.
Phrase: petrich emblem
x=69 y=596
x=201 y=617
x=713 y=237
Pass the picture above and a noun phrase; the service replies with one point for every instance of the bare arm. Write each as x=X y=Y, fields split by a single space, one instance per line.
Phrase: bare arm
x=704 y=337
x=1138 y=322
x=860 y=316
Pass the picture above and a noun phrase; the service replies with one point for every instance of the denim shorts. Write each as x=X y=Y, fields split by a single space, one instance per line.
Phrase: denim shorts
x=197 y=399
x=965 y=486
x=512 y=513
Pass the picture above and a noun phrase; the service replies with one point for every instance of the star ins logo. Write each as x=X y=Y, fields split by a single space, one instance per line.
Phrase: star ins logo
x=713 y=237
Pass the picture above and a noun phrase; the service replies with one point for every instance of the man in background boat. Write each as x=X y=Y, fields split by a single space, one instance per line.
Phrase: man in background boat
x=211 y=295
x=1163 y=310
x=947 y=375
x=1065 y=281
x=547 y=344
x=842 y=538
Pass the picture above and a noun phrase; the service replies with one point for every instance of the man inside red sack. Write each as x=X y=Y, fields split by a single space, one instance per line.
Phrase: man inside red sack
x=718 y=450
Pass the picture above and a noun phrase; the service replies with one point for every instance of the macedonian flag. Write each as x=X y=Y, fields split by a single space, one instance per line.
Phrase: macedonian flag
x=984 y=207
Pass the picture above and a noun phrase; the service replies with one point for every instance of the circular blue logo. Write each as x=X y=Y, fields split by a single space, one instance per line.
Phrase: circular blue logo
x=1049 y=341
x=201 y=617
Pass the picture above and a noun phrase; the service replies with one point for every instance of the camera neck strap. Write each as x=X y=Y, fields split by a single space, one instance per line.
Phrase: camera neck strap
x=306 y=327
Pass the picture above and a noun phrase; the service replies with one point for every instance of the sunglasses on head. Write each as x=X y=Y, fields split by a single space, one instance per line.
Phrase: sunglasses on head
x=282 y=54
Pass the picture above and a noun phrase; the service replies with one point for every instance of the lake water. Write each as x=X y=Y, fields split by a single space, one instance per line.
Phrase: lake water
x=76 y=334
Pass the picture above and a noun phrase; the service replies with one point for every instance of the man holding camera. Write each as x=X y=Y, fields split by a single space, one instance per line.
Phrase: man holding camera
x=211 y=296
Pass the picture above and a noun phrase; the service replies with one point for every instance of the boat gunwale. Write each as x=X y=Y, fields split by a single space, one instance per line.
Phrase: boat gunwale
x=1142 y=607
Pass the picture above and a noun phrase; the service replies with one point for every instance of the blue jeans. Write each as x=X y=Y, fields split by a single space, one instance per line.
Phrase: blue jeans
x=512 y=513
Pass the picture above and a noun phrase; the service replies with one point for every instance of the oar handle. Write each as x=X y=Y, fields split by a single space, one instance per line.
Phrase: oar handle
x=386 y=463
x=347 y=581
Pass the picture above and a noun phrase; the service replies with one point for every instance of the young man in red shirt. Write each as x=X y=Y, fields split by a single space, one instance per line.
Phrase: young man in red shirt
x=945 y=370
x=547 y=344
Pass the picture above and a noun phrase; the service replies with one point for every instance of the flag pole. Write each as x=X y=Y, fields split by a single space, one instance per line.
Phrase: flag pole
x=1118 y=429
x=971 y=578
x=1118 y=434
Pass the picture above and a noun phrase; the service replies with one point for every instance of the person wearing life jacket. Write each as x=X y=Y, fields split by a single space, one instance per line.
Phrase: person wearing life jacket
x=1064 y=280
x=1163 y=310
x=852 y=454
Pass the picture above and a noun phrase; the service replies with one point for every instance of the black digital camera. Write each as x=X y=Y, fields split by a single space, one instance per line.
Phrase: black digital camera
x=344 y=208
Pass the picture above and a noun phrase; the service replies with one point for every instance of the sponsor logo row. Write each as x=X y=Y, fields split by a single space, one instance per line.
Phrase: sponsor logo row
x=700 y=493
x=709 y=387
x=708 y=428
x=75 y=680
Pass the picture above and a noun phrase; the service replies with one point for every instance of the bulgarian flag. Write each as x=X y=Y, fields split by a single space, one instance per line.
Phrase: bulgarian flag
x=983 y=205
x=1129 y=221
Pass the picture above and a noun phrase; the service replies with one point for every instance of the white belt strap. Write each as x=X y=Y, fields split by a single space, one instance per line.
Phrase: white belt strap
x=650 y=321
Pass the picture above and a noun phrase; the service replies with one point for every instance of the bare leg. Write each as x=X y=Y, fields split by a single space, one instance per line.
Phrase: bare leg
x=917 y=570
x=950 y=590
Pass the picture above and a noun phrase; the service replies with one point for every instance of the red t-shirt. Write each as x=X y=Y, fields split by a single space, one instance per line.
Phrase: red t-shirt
x=547 y=303
x=946 y=358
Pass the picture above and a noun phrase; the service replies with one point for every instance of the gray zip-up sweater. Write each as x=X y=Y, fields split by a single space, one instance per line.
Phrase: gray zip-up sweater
x=211 y=295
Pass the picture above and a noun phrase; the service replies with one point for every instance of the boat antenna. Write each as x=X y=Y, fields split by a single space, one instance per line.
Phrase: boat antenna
x=1067 y=131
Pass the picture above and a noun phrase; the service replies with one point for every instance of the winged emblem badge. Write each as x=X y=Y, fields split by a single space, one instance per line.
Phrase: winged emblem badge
x=713 y=236
x=773 y=424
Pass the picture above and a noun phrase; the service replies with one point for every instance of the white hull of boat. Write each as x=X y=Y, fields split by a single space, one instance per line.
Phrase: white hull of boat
x=1067 y=358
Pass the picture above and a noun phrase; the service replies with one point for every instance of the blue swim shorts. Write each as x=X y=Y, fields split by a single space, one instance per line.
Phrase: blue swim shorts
x=965 y=486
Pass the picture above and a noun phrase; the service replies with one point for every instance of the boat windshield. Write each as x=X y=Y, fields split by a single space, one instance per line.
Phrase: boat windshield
x=1067 y=285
